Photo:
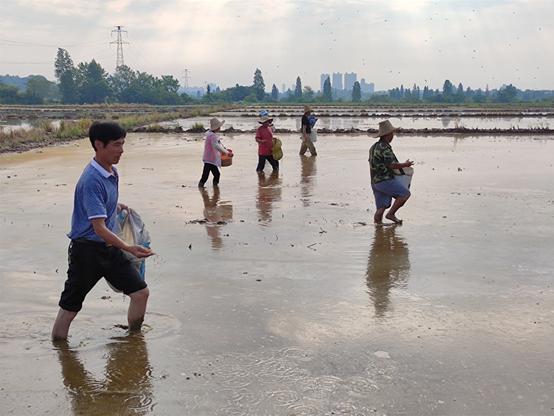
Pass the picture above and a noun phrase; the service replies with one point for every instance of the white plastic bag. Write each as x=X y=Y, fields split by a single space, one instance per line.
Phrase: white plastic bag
x=131 y=229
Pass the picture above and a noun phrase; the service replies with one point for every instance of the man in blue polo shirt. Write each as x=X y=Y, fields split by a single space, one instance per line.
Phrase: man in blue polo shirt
x=95 y=251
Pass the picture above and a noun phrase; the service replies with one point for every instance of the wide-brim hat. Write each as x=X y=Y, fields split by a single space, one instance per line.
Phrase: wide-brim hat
x=385 y=127
x=265 y=119
x=307 y=108
x=215 y=123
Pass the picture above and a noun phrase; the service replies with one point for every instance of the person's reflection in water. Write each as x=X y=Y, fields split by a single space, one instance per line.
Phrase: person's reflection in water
x=269 y=191
x=126 y=388
x=388 y=267
x=217 y=214
x=307 y=179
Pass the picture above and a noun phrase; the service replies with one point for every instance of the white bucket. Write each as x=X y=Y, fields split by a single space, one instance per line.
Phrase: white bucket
x=405 y=179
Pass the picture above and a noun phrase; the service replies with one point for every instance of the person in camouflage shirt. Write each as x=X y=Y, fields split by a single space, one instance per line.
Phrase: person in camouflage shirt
x=382 y=162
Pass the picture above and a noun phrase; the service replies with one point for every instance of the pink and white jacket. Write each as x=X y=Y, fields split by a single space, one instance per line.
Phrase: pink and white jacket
x=213 y=149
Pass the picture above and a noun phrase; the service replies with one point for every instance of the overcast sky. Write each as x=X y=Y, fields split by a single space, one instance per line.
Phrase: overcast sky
x=388 y=42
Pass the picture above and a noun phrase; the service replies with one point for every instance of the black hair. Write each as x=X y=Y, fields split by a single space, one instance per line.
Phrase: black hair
x=105 y=131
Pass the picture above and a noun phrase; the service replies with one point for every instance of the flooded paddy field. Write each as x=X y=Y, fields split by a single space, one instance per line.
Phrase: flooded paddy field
x=26 y=117
x=405 y=122
x=337 y=119
x=277 y=296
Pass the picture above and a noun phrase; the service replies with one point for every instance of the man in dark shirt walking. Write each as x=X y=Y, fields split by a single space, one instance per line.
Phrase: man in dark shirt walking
x=382 y=163
x=307 y=134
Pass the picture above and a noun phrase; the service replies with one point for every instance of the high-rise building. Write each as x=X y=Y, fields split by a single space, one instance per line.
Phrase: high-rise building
x=323 y=78
x=367 y=88
x=336 y=81
x=349 y=80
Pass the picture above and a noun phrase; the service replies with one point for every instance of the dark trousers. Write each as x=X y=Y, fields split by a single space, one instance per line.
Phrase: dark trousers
x=261 y=162
x=208 y=167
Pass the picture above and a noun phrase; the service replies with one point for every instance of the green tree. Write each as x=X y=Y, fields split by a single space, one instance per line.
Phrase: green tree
x=39 y=87
x=460 y=95
x=65 y=73
x=327 y=91
x=63 y=62
x=447 y=89
x=9 y=94
x=144 y=88
x=92 y=83
x=170 y=84
x=308 y=93
x=356 y=92
x=274 y=93
x=123 y=84
x=259 y=85
x=68 y=87
x=236 y=93
x=298 y=88
x=507 y=94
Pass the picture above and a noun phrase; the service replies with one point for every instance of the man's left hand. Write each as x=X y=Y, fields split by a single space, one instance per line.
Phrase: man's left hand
x=121 y=207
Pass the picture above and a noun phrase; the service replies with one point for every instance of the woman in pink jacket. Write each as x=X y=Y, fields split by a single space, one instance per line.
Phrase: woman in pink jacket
x=213 y=149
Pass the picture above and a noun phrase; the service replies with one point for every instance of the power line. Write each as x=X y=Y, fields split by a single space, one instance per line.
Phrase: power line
x=19 y=43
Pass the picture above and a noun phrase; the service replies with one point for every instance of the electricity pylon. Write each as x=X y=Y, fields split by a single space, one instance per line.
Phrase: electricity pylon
x=187 y=77
x=119 y=42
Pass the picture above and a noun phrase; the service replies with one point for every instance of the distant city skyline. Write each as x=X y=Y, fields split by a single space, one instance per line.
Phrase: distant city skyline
x=392 y=42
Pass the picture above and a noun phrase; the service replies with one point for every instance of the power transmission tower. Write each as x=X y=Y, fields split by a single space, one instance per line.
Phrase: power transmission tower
x=119 y=42
x=187 y=77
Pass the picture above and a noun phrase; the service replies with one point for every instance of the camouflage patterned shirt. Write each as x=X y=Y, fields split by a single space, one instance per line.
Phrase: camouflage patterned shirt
x=381 y=155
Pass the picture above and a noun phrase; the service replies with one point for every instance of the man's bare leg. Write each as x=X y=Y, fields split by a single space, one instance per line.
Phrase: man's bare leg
x=378 y=217
x=303 y=148
x=311 y=147
x=398 y=203
x=62 y=323
x=137 y=309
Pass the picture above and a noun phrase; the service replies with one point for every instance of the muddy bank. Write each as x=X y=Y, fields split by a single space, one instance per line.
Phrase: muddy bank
x=108 y=111
x=282 y=298
x=66 y=130
x=403 y=113
x=407 y=131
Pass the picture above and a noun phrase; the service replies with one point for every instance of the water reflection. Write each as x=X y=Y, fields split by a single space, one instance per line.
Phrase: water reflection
x=126 y=388
x=307 y=178
x=388 y=267
x=217 y=214
x=269 y=191
x=445 y=121
x=420 y=121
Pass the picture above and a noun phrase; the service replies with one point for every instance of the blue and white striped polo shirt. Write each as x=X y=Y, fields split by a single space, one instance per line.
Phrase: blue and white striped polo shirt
x=96 y=196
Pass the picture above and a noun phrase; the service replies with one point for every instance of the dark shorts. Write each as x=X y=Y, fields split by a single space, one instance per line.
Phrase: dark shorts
x=89 y=261
x=386 y=190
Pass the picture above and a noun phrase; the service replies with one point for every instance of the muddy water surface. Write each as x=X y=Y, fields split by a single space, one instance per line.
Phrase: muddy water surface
x=332 y=123
x=275 y=294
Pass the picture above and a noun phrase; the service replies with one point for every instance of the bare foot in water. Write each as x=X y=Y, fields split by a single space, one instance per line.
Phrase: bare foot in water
x=393 y=219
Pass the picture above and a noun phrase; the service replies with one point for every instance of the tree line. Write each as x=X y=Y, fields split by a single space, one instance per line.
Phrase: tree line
x=89 y=83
